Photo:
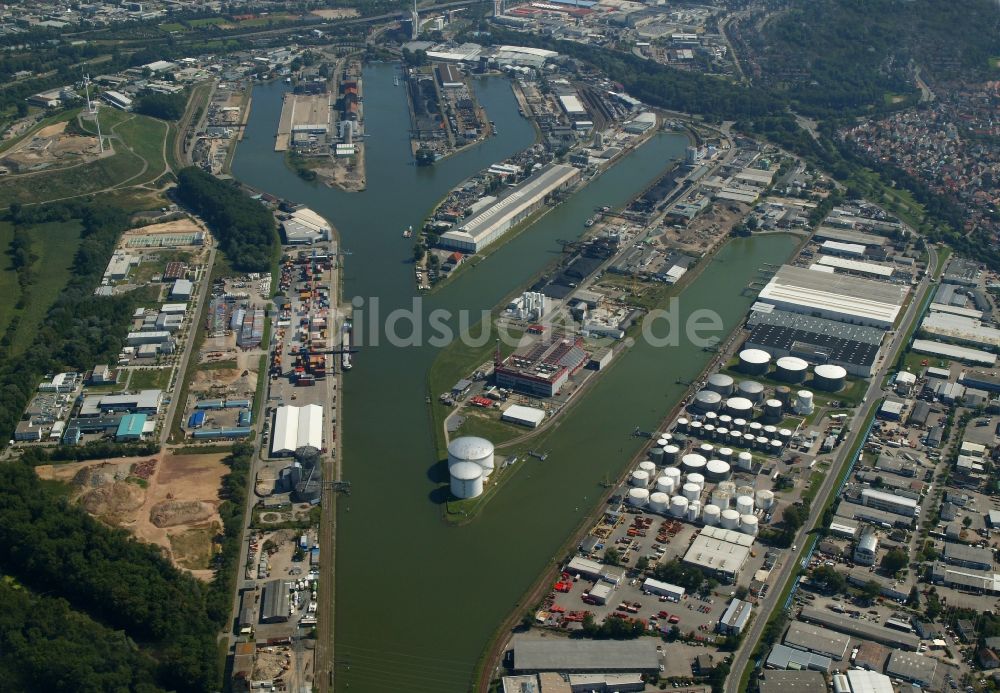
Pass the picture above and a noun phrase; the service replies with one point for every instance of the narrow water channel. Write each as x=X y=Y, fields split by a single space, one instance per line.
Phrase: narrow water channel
x=416 y=599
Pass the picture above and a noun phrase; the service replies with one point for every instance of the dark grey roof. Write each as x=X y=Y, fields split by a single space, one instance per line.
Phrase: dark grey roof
x=813 y=346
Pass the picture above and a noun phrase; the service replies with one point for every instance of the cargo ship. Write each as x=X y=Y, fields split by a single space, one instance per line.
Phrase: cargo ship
x=345 y=346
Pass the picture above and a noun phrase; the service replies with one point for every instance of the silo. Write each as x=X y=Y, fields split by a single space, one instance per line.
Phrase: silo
x=692 y=462
x=754 y=361
x=678 y=506
x=744 y=490
x=682 y=424
x=748 y=524
x=739 y=407
x=744 y=460
x=466 y=479
x=783 y=394
x=764 y=499
x=720 y=498
x=665 y=485
x=694 y=511
x=791 y=369
x=803 y=402
x=739 y=424
x=706 y=450
x=725 y=454
x=730 y=519
x=673 y=473
x=656 y=455
x=829 y=378
x=659 y=502
x=639 y=478
x=708 y=431
x=721 y=383
x=773 y=410
x=471 y=449
x=697 y=479
x=711 y=514
x=785 y=434
x=649 y=468
x=705 y=401
x=690 y=491
x=638 y=497
x=670 y=453
x=751 y=390
x=763 y=443
x=744 y=505
x=717 y=470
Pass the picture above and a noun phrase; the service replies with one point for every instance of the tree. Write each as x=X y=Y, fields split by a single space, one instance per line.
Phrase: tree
x=642 y=563
x=913 y=599
x=163 y=106
x=612 y=556
x=829 y=579
x=871 y=590
x=895 y=560
x=966 y=521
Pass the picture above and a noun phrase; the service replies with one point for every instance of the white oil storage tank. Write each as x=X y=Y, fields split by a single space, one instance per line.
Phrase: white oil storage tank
x=648 y=467
x=725 y=420
x=755 y=427
x=773 y=410
x=771 y=431
x=466 y=479
x=694 y=511
x=682 y=424
x=695 y=428
x=752 y=390
x=739 y=424
x=659 y=502
x=776 y=446
x=670 y=453
x=725 y=454
x=727 y=486
x=765 y=499
x=693 y=462
x=762 y=443
x=638 y=497
x=705 y=401
x=754 y=361
x=739 y=407
x=744 y=505
x=690 y=491
x=717 y=470
x=720 y=498
x=730 y=519
x=829 y=378
x=711 y=515
x=678 y=506
x=708 y=431
x=471 y=449
x=744 y=461
x=744 y=490
x=785 y=434
x=639 y=478
x=721 y=383
x=803 y=402
x=665 y=485
x=791 y=369
x=706 y=450
x=722 y=434
x=748 y=524
x=697 y=479
x=783 y=394
x=673 y=473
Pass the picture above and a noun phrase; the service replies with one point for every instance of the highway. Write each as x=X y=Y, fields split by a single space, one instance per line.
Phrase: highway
x=789 y=563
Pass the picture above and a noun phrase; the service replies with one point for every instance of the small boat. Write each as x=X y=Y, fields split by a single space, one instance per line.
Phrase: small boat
x=395 y=81
x=408 y=233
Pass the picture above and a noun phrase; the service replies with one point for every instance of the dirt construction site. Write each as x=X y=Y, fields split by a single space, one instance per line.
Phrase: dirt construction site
x=50 y=147
x=166 y=499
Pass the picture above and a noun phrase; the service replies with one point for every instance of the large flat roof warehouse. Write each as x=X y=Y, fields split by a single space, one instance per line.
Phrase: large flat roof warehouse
x=817 y=639
x=857 y=357
x=960 y=328
x=859 y=628
x=847 y=236
x=720 y=550
x=835 y=296
x=785 y=657
x=566 y=655
x=767 y=314
x=572 y=105
x=296 y=427
x=952 y=351
x=859 y=266
x=490 y=224
x=525 y=416
x=791 y=682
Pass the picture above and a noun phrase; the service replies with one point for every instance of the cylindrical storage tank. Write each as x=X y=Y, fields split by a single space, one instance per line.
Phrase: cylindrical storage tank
x=649 y=468
x=739 y=407
x=697 y=479
x=659 y=502
x=711 y=418
x=694 y=511
x=755 y=428
x=751 y=390
x=682 y=424
x=711 y=514
x=638 y=497
x=673 y=473
x=773 y=410
x=754 y=361
x=466 y=479
x=717 y=470
x=785 y=434
x=708 y=431
x=764 y=499
x=803 y=402
x=775 y=446
x=736 y=439
x=730 y=519
x=722 y=434
x=695 y=429
x=725 y=454
x=471 y=449
x=706 y=450
x=749 y=440
x=690 y=491
x=744 y=490
x=666 y=485
x=744 y=460
x=678 y=506
x=748 y=524
x=791 y=369
x=721 y=383
x=639 y=478
x=705 y=401
x=763 y=443
x=783 y=394
x=739 y=424
x=656 y=455
x=670 y=453
x=744 y=505
x=829 y=378
x=693 y=462
x=667 y=439
x=771 y=431
x=661 y=441
x=720 y=498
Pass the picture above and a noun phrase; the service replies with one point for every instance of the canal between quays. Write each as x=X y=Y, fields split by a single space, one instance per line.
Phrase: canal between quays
x=417 y=599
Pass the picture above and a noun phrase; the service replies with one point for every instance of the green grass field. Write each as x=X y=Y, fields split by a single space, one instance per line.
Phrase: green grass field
x=488 y=425
x=206 y=21
x=171 y=27
x=54 y=244
x=150 y=379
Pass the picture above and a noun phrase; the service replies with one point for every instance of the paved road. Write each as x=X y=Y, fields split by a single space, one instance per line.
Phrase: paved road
x=791 y=561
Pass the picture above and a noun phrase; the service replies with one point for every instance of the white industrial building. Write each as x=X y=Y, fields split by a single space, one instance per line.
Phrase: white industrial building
x=901 y=505
x=867 y=549
x=959 y=328
x=523 y=416
x=181 y=290
x=735 y=618
x=718 y=551
x=305 y=227
x=663 y=589
x=835 y=296
x=952 y=351
x=297 y=427
x=474 y=234
x=856 y=266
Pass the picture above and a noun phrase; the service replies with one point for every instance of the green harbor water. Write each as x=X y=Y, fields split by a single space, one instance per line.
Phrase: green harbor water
x=417 y=599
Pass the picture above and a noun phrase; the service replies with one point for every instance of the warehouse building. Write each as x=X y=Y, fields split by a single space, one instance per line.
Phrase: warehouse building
x=275 y=605
x=817 y=639
x=143 y=402
x=863 y=630
x=844 y=264
x=297 y=427
x=952 y=351
x=828 y=233
x=844 y=249
x=566 y=655
x=965 y=556
x=960 y=329
x=791 y=682
x=735 y=618
x=874 y=516
x=912 y=667
x=543 y=369
x=785 y=657
x=476 y=233
x=966 y=579
x=523 y=416
x=835 y=296
x=131 y=427
x=663 y=589
x=720 y=552
x=181 y=290
x=889 y=502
